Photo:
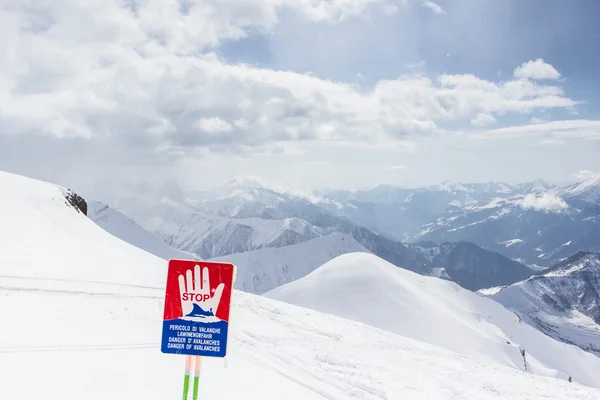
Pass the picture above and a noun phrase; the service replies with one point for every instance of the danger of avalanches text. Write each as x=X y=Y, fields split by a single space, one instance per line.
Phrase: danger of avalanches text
x=200 y=340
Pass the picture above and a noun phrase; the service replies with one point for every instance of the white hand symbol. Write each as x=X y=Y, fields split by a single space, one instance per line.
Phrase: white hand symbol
x=196 y=291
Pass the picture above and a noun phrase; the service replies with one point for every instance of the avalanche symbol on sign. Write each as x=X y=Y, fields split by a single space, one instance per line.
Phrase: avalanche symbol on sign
x=198 y=302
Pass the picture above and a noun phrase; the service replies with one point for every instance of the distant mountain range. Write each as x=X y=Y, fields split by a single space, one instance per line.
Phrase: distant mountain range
x=246 y=216
x=399 y=212
x=538 y=228
x=479 y=235
x=563 y=301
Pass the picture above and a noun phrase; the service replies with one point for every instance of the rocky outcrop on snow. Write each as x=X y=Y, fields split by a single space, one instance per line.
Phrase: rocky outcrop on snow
x=76 y=201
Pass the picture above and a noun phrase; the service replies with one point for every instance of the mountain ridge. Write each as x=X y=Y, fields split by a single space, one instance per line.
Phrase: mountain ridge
x=562 y=301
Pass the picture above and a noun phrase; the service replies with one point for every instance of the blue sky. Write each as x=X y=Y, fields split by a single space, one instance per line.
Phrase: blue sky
x=309 y=94
x=485 y=38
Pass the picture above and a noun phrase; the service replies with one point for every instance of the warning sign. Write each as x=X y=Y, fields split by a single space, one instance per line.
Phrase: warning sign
x=197 y=303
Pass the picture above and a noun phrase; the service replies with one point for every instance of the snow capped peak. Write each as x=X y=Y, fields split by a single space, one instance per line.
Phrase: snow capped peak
x=472 y=188
x=255 y=188
x=587 y=190
x=539 y=185
x=452 y=186
x=536 y=186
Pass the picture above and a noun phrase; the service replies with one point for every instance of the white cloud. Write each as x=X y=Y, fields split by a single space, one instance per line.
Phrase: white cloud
x=553 y=142
x=144 y=85
x=390 y=9
x=316 y=163
x=118 y=91
x=483 y=119
x=397 y=167
x=585 y=175
x=434 y=7
x=96 y=70
x=213 y=125
x=538 y=69
x=547 y=202
x=570 y=129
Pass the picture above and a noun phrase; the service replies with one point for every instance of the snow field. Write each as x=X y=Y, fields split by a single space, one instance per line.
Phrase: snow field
x=82 y=316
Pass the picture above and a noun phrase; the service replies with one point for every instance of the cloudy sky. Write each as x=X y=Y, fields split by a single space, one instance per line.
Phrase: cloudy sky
x=305 y=93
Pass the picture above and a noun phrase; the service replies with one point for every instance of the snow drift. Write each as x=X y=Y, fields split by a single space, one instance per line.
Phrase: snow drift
x=82 y=312
x=367 y=289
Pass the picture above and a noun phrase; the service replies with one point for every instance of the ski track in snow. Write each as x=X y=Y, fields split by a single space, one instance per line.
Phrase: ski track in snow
x=297 y=353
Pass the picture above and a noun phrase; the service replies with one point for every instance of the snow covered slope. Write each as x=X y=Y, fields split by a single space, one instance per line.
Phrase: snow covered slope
x=82 y=315
x=43 y=237
x=264 y=269
x=128 y=230
x=563 y=302
x=367 y=289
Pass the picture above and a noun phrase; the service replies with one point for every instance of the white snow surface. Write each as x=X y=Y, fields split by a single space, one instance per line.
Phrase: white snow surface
x=42 y=237
x=367 y=289
x=82 y=319
x=264 y=269
x=128 y=230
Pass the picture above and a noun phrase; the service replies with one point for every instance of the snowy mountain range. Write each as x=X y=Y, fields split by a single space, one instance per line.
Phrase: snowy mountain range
x=539 y=229
x=246 y=216
x=563 y=301
x=534 y=223
x=398 y=212
x=99 y=298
